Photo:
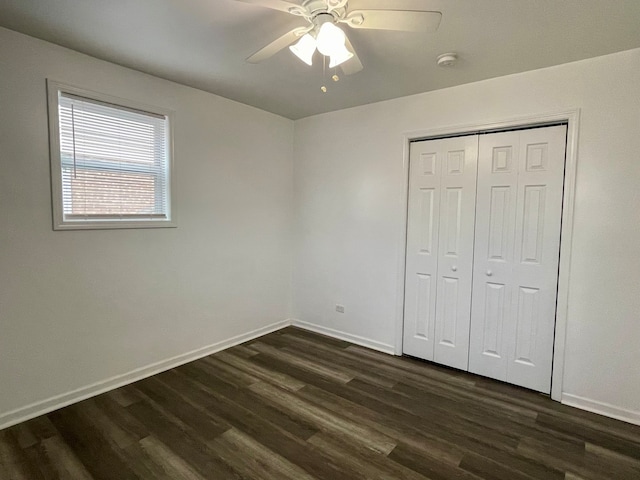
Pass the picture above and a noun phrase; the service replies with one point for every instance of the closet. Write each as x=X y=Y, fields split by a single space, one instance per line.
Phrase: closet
x=483 y=241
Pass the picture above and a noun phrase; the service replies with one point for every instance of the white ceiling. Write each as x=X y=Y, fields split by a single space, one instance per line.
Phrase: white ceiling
x=203 y=43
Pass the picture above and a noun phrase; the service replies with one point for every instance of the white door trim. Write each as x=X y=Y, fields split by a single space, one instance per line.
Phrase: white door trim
x=572 y=117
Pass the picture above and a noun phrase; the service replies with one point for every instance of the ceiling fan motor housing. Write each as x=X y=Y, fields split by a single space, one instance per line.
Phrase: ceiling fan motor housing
x=322 y=18
x=335 y=9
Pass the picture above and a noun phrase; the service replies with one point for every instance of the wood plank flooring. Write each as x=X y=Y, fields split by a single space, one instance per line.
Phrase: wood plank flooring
x=296 y=405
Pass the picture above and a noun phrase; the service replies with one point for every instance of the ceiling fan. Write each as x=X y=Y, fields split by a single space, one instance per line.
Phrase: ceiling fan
x=323 y=32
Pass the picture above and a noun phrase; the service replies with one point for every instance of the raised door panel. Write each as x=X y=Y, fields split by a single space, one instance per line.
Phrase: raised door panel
x=448 y=296
x=526 y=325
x=500 y=209
x=424 y=318
x=455 y=251
x=494 y=310
x=427 y=201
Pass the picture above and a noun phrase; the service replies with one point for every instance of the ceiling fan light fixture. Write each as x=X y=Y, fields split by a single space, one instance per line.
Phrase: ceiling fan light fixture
x=330 y=39
x=304 y=49
x=339 y=57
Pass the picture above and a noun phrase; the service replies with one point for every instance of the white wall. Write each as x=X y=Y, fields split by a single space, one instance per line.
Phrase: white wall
x=79 y=307
x=348 y=183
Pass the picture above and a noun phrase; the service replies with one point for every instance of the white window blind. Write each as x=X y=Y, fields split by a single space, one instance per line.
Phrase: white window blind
x=114 y=162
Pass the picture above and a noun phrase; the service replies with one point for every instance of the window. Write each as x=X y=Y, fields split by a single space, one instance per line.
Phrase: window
x=110 y=161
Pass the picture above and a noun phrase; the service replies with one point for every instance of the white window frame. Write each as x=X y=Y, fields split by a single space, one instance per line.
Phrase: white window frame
x=54 y=89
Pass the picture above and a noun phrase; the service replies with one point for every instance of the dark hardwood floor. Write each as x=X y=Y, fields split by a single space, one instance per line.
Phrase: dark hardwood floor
x=296 y=405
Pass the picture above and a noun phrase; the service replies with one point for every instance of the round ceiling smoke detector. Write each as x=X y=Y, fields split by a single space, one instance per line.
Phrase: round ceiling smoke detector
x=447 y=59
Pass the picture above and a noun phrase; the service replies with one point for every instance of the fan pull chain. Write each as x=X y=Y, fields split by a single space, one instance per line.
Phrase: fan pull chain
x=323 y=88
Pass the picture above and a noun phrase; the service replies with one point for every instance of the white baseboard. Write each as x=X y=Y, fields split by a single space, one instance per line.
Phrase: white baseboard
x=36 y=409
x=348 y=337
x=630 y=416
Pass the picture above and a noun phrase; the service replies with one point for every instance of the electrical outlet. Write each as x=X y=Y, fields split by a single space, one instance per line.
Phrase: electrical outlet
x=339 y=308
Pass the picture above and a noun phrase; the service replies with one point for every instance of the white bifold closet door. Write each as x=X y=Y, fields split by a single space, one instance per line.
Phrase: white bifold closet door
x=441 y=211
x=517 y=243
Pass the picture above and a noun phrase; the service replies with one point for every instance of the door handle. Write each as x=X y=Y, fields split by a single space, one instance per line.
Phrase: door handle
x=454 y=268
x=489 y=273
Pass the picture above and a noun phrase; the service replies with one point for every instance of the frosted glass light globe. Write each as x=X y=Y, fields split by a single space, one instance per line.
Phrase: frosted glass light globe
x=304 y=49
x=340 y=56
x=330 y=39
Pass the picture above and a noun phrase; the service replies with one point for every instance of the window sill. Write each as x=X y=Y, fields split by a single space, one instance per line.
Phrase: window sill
x=114 y=225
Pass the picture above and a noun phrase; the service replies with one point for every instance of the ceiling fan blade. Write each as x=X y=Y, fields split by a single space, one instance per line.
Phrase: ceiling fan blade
x=282 y=5
x=402 y=20
x=277 y=45
x=353 y=65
